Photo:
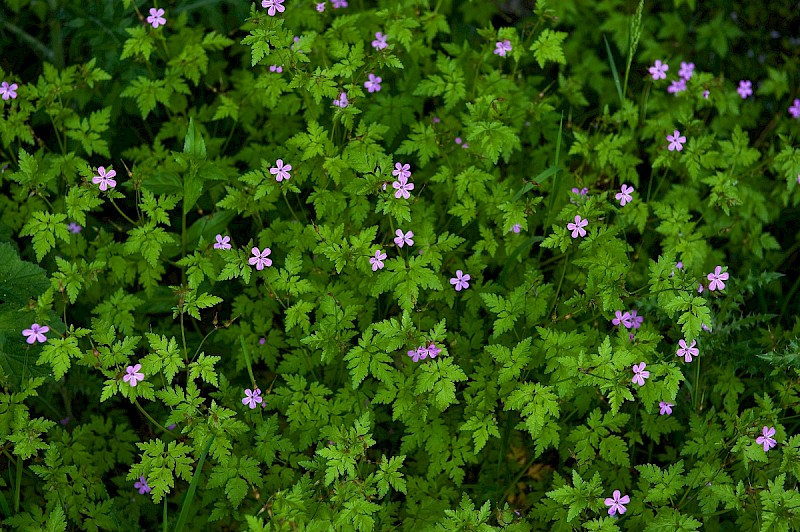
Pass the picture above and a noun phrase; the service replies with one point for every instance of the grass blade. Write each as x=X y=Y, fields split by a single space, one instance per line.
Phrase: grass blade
x=614 y=72
x=187 y=500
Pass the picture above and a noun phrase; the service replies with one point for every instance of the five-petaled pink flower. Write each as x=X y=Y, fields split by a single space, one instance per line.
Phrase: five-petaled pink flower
x=417 y=354
x=223 y=242
x=259 y=258
x=766 y=439
x=665 y=408
x=342 y=101
x=577 y=228
x=273 y=6
x=616 y=504
x=716 y=278
x=36 y=333
x=503 y=47
x=677 y=86
x=252 y=398
x=686 y=71
x=433 y=351
x=624 y=197
x=403 y=187
x=105 y=179
x=321 y=7
x=659 y=70
x=460 y=280
x=636 y=320
x=373 y=84
x=687 y=352
x=745 y=88
x=624 y=319
x=380 y=41
x=142 y=486
x=403 y=239
x=402 y=170
x=640 y=374
x=8 y=91
x=156 y=17
x=794 y=109
x=676 y=141
x=133 y=375
x=377 y=260
x=280 y=170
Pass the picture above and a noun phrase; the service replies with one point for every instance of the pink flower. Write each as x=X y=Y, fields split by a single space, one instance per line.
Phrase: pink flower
x=659 y=70
x=745 y=88
x=342 y=102
x=624 y=319
x=262 y=341
x=460 y=281
x=339 y=3
x=276 y=68
x=380 y=41
x=666 y=408
x=74 y=228
x=640 y=374
x=716 y=279
x=133 y=375
x=377 y=260
x=273 y=6
x=677 y=86
x=516 y=228
x=503 y=47
x=223 y=242
x=577 y=228
x=252 y=398
x=105 y=179
x=416 y=355
x=705 y=94
x=259 y=258
x=433 y=351
x=794 y=109
x=403 y=187
x=36 y=333
x=636 y=320
x=156 y=17
x=616 y=504
x=373 y=84
x=766 y=439
x=321 y=7
x=686 y=71
x=142 y=486
x=624 y=197
x=9 y=92
x=687 y=352
x=401 y=170
x=280 y=170
x=581 y=193
x=403 y=239
x=676 y=141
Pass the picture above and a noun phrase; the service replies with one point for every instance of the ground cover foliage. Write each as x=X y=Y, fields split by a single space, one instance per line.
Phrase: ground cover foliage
x=399 y=265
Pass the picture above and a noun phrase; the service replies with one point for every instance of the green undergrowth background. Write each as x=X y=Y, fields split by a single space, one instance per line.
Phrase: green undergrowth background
x=528 y=419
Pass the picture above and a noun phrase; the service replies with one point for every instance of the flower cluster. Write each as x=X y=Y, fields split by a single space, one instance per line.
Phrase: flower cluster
x=629 y=320
x=423 y=352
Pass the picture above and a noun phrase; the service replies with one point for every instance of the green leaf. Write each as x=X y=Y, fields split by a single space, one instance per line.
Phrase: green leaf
x=548 y=47
x=58 y=352
x=45 y=228
x=20 y=281
x=193 y=144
